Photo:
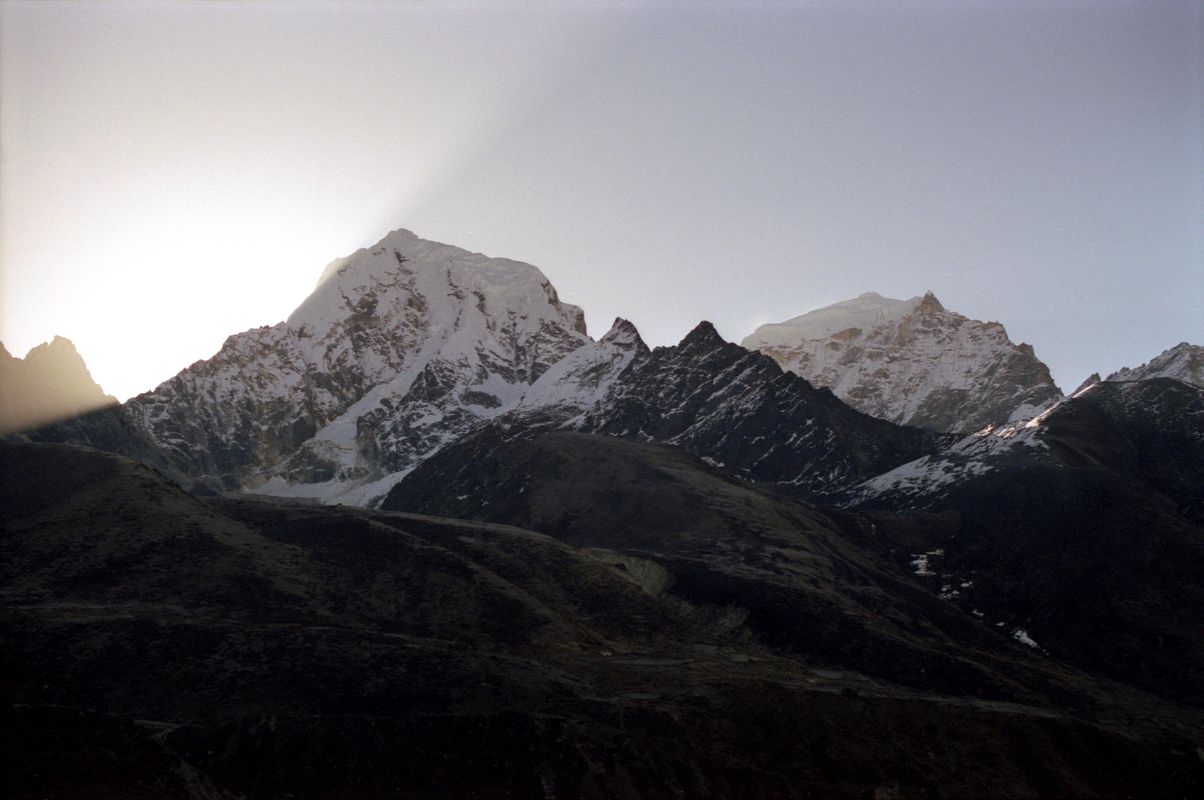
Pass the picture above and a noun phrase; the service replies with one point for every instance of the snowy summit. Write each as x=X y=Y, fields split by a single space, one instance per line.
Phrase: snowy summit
x=912 y=362
x=401 y=348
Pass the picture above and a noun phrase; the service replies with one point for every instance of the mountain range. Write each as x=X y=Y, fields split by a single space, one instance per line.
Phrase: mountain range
x=408 y=345
x=873 y=551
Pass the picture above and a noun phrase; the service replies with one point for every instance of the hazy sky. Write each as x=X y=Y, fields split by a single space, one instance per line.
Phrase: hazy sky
x=177 y=172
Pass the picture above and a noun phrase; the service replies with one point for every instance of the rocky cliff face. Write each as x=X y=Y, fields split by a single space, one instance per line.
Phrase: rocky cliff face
x=912 y=362
x=401 y=348
x=50 y=383
x=1183 y=362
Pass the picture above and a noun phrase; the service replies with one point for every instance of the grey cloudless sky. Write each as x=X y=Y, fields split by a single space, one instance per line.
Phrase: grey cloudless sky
x=174 y=172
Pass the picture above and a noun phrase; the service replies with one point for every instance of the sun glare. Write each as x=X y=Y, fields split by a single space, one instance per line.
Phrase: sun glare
x=146 y=239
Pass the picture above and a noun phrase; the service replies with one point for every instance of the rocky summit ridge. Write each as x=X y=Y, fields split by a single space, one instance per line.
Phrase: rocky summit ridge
x=912 y=362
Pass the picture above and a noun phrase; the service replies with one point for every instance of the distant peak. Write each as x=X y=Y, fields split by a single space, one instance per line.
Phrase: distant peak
x=63 y=343
x=1184 y=362
x=58 y=346
x=623 y=332
x=399 y=234
x=929 y=304
x=703 y=335
x=1087 y=384
x=869 y=296
x=621 y=325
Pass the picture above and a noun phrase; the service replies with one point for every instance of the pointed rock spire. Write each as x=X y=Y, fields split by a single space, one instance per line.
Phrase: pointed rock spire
x=704 y=335
x=929 y=304
x=623 y=333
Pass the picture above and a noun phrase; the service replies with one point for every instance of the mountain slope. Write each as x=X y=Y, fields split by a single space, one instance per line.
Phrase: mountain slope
x=778 y=568
x=911 y=362
x=51 y=383
x=1082 y=531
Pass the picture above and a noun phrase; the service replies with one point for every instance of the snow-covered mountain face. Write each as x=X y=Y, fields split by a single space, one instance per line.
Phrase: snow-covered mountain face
x=1183 y=362
x=401 y=348
x=912 y=362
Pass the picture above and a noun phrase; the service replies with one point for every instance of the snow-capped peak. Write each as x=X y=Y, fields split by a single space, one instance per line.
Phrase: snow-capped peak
x=702 y=337
x=623 y=332
x=402 y=265
x=911 y=361
x=402 y=347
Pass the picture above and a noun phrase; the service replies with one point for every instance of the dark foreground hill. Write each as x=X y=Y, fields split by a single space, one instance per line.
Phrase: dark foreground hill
x=158 y=645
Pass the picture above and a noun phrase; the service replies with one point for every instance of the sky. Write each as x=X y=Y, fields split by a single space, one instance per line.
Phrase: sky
x=176 y=172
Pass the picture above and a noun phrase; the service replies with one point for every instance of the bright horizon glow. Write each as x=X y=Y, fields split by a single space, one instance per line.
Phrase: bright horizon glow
x=192 y=241
x=177 y=172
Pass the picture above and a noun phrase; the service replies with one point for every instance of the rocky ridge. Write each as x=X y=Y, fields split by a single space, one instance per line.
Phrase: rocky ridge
x=741 y=411
x=1144 y=429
